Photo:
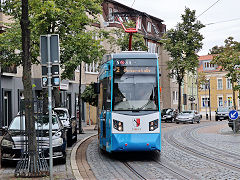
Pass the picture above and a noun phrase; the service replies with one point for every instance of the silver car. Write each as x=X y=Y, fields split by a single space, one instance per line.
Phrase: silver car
x=189 y=116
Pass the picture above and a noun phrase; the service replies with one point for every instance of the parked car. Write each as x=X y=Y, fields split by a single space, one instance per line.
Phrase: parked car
x=70 y=123
x=14 y=140
x=222 y=113
x=190 y=116
x=168 y=115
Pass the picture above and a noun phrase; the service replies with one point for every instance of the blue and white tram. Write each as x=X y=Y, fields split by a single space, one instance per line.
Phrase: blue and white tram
x=129 y=102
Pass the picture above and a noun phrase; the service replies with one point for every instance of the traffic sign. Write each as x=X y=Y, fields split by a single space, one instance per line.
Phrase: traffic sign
x=233 y=114
x=55 y=81
x=54 y=48
x=54 y=70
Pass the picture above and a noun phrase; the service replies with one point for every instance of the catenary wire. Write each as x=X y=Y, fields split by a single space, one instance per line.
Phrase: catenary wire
x=208 y=8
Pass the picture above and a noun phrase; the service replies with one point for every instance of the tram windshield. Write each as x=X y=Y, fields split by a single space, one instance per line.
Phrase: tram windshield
x=135 y=88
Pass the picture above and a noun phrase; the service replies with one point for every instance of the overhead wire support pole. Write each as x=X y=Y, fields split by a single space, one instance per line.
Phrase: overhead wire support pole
x=50 y=108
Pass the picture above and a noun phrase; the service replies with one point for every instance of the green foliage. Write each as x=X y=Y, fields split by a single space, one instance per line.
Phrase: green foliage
x=122 y=39
x=66 y=18
x=183 y=43
x=202 y=80
x=229 y=61
x=89 y=96
x=216 y=50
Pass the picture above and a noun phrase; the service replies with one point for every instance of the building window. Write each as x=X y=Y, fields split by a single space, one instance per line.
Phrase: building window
x=151 y=47
x=139 y=23
x=155 y=29
x=175 y=97
x=220 y=101
x=149 y=27
x=229 y=101
x=92 y=67
x=110 y=14
x=219 y=84
x=229 y=84
x=205 y=101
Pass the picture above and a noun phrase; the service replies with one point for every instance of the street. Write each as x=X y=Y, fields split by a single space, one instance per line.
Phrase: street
x=207 y=150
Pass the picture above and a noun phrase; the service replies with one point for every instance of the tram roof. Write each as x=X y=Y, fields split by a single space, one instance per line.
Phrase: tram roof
x=130 y=55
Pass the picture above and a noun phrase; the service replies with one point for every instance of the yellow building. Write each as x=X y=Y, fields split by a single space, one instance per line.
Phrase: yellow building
x=220 y=92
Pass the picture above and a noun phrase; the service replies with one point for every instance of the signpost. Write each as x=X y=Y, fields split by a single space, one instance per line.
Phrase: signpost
x=233 y=115
x=49 y=52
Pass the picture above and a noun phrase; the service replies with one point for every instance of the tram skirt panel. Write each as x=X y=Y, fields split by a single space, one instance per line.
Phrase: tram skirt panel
x=136 y=142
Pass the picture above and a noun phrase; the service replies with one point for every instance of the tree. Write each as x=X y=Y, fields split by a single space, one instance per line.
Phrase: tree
x=229 y=61
x=69 y=19
x=122 y=39
x=183 y=43
x=89 y=96
x=26 y=63
x=66 y=18
x=216 y=50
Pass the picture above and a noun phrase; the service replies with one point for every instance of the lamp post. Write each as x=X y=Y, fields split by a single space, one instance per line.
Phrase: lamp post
x=209 y=99
x=79 y=100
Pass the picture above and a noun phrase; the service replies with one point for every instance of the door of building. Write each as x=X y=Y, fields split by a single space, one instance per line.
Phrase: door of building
x=7 y=108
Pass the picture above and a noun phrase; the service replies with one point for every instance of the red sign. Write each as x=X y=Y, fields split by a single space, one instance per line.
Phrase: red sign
x=136 y=122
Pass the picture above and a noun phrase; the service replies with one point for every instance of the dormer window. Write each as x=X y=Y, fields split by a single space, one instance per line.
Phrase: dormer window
x=208 y=66
x=149 y=27
x=155 y=29
x=139 y=23
x=110 y=14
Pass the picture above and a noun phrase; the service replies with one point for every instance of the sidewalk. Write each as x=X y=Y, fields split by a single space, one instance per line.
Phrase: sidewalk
x=60 y=171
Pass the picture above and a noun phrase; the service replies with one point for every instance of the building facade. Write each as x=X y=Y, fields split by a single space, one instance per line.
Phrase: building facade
x=217 y=92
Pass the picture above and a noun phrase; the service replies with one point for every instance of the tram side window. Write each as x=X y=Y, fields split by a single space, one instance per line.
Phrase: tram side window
x=100 y=97
x=106 y=89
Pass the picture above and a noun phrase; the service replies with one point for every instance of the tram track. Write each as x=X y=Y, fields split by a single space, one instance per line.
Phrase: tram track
x=189 y=135
x=169 y=136
x=130 y=168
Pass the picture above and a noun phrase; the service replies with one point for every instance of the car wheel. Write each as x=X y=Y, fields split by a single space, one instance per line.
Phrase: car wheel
x=198 y=122
x=75 y=134
x=63 y=159
x=177 y=122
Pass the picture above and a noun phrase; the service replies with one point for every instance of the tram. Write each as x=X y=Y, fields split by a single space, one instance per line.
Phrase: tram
x=129 y=102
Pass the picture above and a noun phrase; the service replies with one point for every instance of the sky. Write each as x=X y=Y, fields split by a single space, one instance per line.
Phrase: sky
x=170 y=12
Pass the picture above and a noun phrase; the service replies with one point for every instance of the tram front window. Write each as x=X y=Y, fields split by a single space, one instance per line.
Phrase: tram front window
x=135 y=88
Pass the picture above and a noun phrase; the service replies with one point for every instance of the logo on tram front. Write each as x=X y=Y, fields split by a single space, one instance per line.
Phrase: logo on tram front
x=136 y=122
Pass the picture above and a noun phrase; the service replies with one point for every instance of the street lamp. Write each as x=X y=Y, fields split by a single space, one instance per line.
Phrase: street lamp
x=209 y=99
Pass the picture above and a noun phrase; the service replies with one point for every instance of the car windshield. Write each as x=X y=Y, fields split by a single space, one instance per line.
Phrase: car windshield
x=187 y=112
x=61 y=113
x=223 y=109
x=166 y=111
x=135 y=88
x=40 y=123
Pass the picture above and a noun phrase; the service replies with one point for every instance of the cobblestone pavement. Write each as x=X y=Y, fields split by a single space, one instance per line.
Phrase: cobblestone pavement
x=215 y=134
x=60 y=171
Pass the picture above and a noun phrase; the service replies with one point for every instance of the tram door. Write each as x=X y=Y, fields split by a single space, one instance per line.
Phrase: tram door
x=105 y=108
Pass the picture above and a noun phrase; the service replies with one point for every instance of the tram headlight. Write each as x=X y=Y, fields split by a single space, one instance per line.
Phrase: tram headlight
x=118 y=125
x=153 y=125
